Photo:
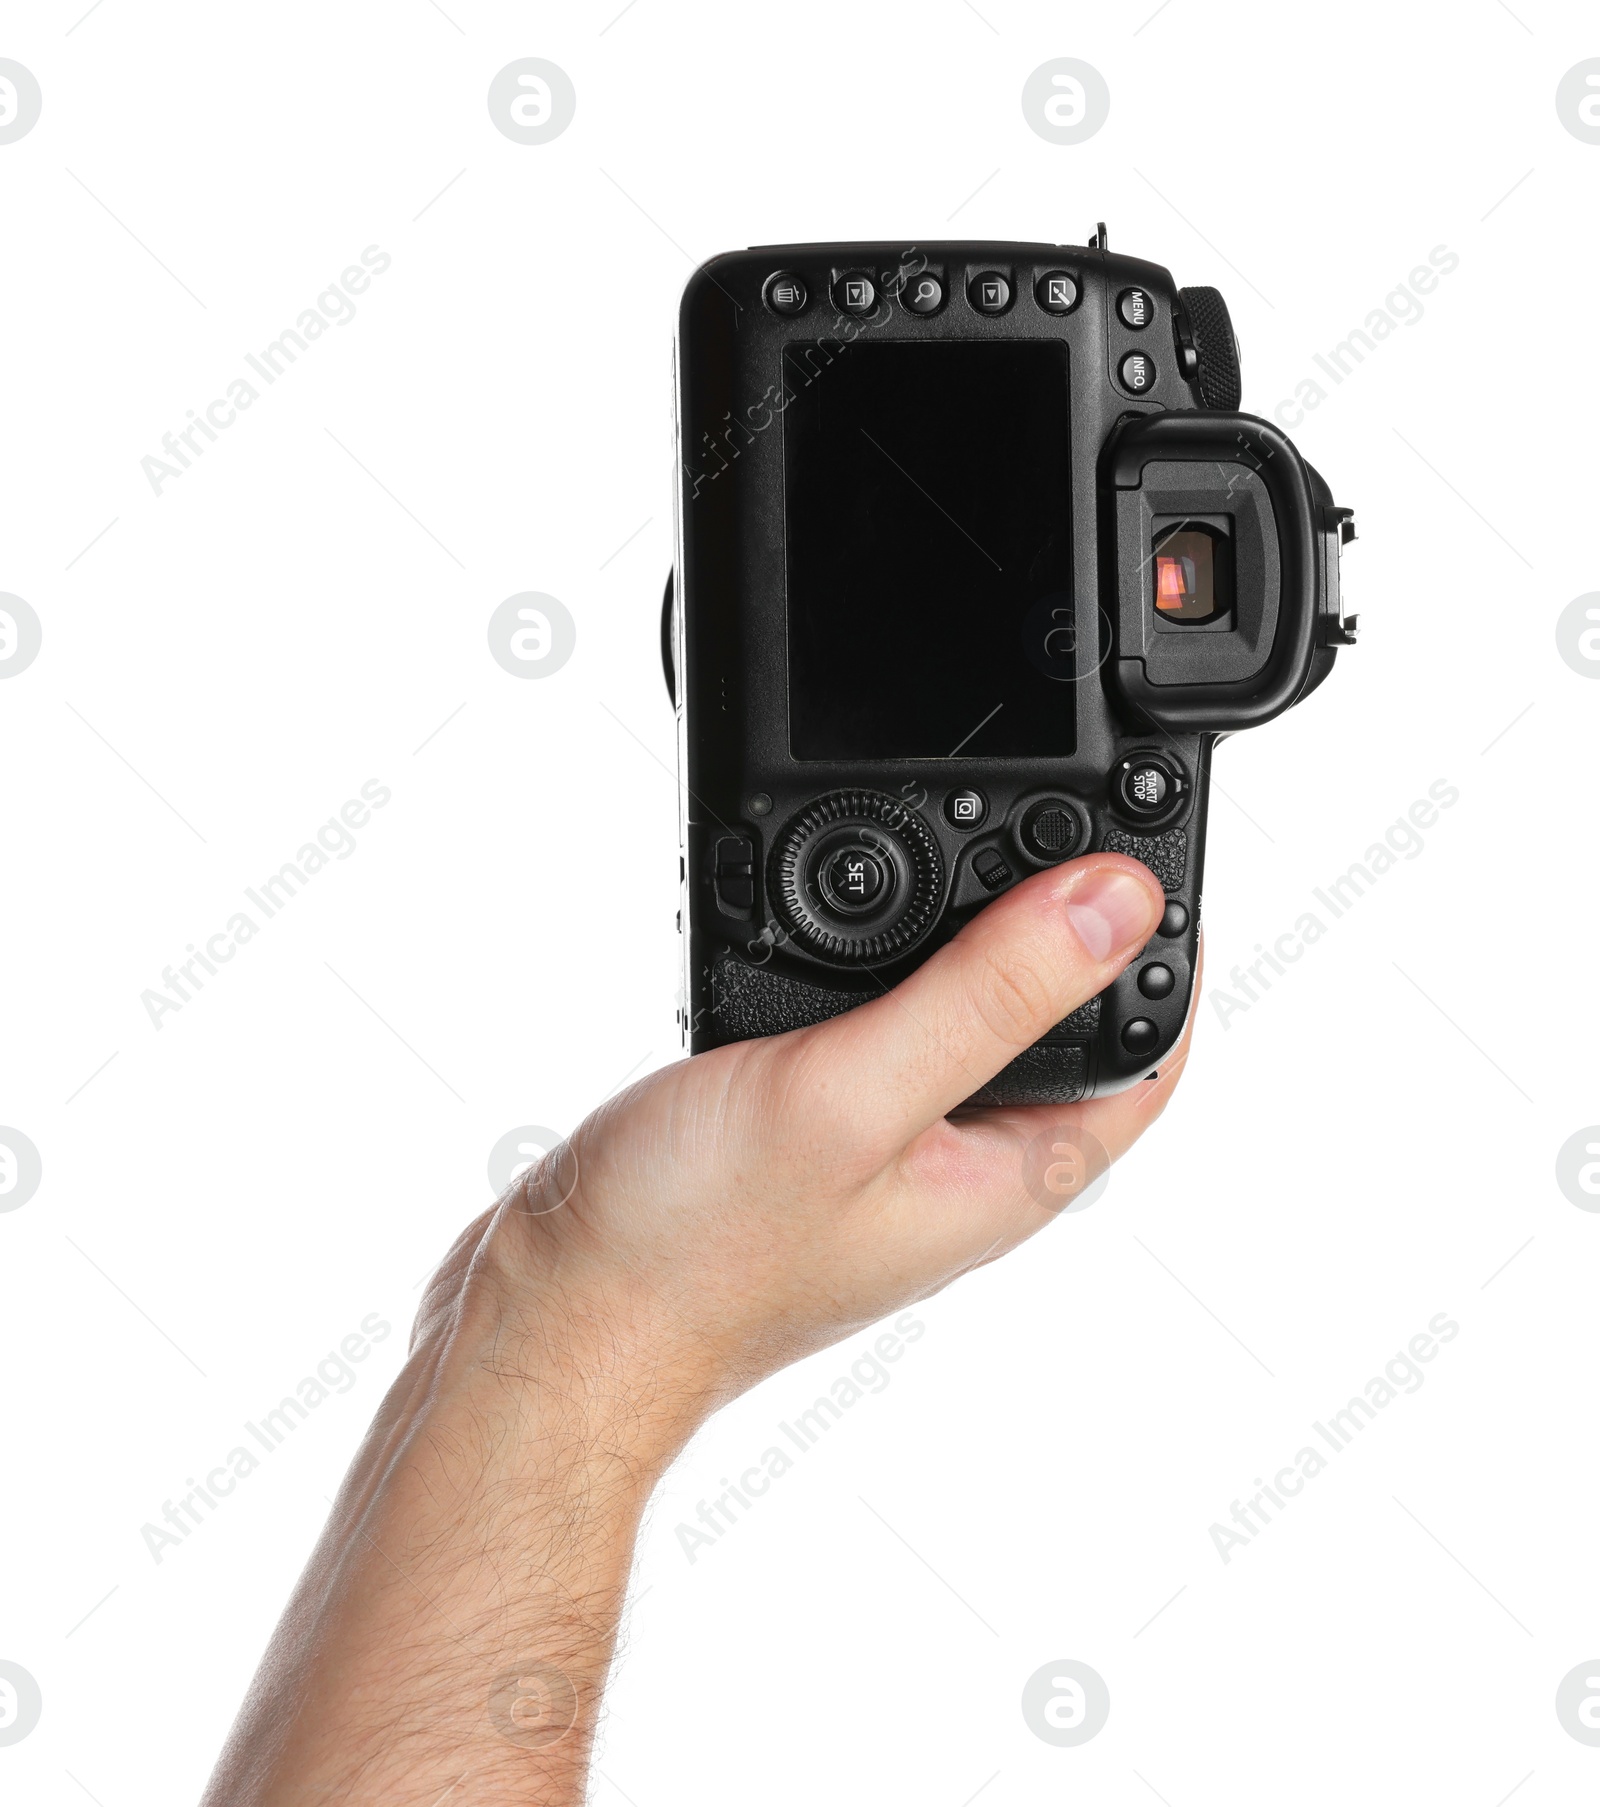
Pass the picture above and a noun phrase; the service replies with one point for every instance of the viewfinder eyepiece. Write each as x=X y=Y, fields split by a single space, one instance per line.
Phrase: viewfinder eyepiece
x=1193 y=567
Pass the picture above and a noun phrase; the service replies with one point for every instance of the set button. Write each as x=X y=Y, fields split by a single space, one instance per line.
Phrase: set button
x=855 y=878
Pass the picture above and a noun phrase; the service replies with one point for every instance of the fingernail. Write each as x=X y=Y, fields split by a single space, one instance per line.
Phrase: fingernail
x=1110 y=911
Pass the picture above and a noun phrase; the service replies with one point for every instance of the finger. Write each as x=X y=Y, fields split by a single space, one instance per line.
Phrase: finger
x=986 y=1180
x=1020 y=966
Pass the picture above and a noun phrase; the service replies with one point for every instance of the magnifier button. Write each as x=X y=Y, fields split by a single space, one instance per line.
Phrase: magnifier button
x=924 y=294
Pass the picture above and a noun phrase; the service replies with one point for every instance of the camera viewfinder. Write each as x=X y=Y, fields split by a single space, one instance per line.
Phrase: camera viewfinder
x=1193 y=573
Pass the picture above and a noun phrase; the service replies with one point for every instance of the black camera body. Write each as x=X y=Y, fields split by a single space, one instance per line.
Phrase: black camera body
x=976 y=563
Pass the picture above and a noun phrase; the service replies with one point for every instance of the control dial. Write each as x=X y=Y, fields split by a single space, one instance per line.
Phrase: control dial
x=856 y=876
x=1216 y=346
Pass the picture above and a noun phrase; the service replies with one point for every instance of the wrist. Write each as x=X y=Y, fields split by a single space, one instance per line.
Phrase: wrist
x=585 y=1358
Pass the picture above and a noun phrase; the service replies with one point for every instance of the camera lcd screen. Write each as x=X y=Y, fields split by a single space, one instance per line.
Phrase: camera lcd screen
x=927 y=538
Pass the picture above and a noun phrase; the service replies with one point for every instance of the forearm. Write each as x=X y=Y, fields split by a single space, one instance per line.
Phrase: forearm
x=459 y=1614
x=735 y=1213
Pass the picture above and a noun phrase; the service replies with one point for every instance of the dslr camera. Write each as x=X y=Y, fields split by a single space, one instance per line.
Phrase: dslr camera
x=977 y=561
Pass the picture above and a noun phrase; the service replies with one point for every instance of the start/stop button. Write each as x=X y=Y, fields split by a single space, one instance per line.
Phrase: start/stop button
x=1148 y=787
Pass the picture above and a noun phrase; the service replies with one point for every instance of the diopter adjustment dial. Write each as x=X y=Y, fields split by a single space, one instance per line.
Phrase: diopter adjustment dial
x=856 y=876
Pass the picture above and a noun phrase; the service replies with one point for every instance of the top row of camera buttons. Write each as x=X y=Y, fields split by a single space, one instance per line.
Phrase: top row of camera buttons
x=989 y=292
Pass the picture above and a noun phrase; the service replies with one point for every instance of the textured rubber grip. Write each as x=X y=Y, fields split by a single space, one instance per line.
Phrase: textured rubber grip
x=1046 y=1073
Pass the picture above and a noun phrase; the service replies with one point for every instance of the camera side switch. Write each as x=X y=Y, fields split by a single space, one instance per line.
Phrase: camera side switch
x=734 y=876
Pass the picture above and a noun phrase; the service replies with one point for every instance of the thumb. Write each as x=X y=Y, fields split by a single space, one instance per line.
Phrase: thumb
x=1026 y=961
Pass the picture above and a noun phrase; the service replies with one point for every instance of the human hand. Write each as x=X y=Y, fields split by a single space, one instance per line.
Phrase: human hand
x=740 y=1210
x=720 y=1219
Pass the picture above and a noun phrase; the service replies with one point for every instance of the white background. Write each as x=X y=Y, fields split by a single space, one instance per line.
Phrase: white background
x=1361 y=1149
